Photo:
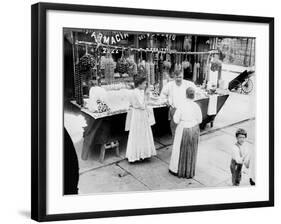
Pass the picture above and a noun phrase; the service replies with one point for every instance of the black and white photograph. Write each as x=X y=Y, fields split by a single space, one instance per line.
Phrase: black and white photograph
x=150 y=111
x=144 y=111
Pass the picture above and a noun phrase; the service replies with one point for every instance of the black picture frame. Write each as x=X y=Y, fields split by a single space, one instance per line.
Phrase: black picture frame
x=39 y=122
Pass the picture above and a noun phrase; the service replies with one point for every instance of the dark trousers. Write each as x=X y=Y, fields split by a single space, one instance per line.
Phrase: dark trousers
x=235 y=169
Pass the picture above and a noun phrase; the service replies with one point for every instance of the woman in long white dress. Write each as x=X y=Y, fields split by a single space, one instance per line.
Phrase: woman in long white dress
x=188 y=116
x=140 y=141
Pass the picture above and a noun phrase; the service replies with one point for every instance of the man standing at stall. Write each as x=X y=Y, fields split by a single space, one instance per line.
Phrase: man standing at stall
x=174 y=93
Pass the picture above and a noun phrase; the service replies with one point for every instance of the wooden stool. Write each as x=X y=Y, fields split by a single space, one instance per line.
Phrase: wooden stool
x=110 y=145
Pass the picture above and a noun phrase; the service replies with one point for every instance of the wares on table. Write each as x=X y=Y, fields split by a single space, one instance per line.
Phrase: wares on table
x=102 y=107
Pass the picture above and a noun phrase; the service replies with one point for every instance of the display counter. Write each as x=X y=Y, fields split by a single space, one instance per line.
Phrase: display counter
x=105 y=127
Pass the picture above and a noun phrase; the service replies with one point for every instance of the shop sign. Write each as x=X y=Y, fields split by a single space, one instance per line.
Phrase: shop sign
x=168 y=36
x=110 y=40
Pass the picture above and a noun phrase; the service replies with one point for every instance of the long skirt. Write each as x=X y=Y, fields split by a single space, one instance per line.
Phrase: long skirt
x=183 y=161
x=140 y=141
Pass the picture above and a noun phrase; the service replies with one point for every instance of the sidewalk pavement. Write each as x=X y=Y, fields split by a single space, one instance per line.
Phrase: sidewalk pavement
x=212 y=169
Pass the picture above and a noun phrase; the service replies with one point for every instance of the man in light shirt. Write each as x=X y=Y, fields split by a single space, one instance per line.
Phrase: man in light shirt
x=174 y=93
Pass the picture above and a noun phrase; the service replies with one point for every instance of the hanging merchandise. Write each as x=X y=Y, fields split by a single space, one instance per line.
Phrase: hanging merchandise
x=78 y=91
x=141 y=66
x=161 y=69
x=86 y=62
x=167 y=63
x=180 y=62
x=194 y=72
x=132 y=66
x=85 y=65
x=147 y=70
x=156 y=64
x=198 y=69
x=185 y=63
x=102 y=62
x=109 y=66
x=215 y=65
x=177 y=63
x=152 y=71
x=122 y=65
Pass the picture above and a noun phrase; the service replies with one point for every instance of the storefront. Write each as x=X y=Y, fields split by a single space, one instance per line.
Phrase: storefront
x=112 y=59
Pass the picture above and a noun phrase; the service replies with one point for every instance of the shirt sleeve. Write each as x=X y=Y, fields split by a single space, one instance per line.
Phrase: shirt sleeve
x=137 y=102
x=177 y=116
x=236 y=155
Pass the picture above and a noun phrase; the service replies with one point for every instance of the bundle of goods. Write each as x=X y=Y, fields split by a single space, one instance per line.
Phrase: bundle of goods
x=161 y=69
x=147 y=72
x=132 y=67
x=122 y=66
x=109 y=66
x=167 y=64
x=78 y=91
x=185 y=64
x=152 y=73
x=196 y=71
x=215 y=66
x=141 y=68
x=102 y=62
x=178 y=64
x=86 y=62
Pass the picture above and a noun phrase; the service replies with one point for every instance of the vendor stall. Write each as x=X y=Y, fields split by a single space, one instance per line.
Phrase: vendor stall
x=104 y=71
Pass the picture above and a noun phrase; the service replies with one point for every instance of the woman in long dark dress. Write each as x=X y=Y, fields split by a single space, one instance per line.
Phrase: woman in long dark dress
x=187 y=117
